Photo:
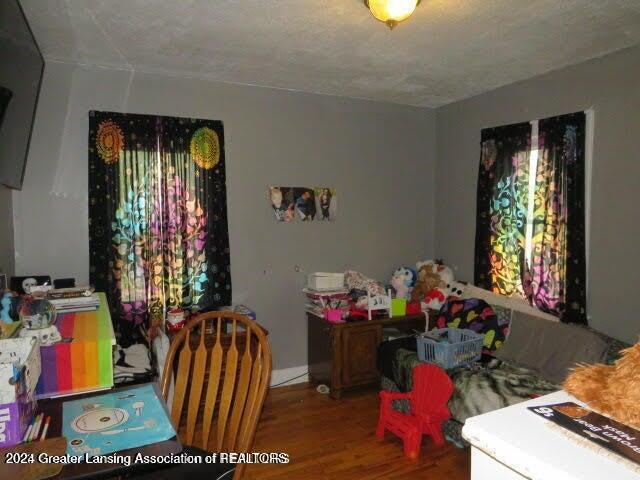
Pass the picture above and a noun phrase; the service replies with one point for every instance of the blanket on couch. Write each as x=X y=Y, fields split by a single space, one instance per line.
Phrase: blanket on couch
x=478 y=388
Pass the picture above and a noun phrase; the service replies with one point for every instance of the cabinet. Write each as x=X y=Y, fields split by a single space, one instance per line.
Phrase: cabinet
x=343 y=355
x=359 y=346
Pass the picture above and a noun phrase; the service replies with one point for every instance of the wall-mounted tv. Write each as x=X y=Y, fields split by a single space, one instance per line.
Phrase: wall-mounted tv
x=21 y=67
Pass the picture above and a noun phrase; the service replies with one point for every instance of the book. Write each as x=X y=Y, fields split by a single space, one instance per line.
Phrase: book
x=74 y=292
x=606 y=433
x=76 y=304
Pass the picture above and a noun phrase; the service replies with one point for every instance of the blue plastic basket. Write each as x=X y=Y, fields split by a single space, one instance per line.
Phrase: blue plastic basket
x=463 y=347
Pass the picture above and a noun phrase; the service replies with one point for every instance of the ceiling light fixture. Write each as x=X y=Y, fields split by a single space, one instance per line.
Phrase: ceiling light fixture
x=391 y=12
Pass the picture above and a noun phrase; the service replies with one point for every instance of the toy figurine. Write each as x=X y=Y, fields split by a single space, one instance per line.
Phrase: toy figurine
x=6 y=301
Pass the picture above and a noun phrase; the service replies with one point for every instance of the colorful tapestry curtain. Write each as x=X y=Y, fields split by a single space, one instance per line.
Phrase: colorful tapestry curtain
x=558 y=266
x=555 y=280
x=158 y=234
x=502 y=208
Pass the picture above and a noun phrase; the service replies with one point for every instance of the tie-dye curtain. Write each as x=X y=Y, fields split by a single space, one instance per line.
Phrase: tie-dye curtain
x=555 y=281
x=502 y=208
x=158 y=234
x=558 y=270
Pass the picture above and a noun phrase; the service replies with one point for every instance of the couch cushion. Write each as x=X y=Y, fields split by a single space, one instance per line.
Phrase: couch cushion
x=550 y=348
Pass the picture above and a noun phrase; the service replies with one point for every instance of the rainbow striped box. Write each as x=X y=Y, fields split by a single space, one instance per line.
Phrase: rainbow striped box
x=85 y=363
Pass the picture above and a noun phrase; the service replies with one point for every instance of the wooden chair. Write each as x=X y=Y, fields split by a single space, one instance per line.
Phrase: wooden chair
x=221 y=365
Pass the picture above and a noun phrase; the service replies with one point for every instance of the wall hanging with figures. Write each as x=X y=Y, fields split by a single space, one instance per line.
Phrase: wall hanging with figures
x=304 y=203
x=158 y=236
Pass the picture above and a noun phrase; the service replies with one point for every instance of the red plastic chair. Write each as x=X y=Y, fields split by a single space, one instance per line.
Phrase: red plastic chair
x=432 y=389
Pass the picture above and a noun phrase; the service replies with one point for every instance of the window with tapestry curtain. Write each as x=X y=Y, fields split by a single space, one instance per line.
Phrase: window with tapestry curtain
x=158 y=235
x=530 y=225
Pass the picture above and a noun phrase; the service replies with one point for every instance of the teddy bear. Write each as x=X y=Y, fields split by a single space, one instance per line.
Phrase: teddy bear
x=431 y=274
x=613 y=390
x=402 y=281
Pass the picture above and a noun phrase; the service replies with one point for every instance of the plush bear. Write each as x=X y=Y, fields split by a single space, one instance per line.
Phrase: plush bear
x=613 y=390
x=402 y=281
x=427 y=281
x=430 y=275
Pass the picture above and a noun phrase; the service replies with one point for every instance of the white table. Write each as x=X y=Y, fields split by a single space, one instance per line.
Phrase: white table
x=514 y=443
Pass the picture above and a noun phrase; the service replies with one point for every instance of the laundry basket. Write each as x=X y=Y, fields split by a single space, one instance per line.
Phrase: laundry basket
x=450 y=347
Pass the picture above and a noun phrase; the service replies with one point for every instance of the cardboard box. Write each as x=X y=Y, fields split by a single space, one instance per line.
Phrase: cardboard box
x=325 y=281
x=19 y=373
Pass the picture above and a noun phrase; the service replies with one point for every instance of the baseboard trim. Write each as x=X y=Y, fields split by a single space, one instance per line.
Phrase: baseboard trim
x=287 y=375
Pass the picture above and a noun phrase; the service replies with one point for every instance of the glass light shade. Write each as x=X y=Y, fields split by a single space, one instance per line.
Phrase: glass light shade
x=392 y=12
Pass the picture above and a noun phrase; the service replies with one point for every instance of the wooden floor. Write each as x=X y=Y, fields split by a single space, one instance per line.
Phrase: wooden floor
x=334 y=439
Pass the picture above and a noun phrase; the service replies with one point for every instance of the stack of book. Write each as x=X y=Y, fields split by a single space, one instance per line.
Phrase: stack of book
x=318 y=301
x=67 y=300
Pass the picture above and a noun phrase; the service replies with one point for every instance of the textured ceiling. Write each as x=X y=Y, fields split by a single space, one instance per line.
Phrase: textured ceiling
x=448 y=50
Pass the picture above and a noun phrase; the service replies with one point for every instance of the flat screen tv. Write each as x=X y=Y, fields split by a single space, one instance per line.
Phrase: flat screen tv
x=21 y=67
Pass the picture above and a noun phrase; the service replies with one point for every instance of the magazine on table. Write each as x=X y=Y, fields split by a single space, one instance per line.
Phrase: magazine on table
x=603 y=431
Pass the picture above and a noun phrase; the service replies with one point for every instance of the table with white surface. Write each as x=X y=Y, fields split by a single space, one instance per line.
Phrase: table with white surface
x=514 y=443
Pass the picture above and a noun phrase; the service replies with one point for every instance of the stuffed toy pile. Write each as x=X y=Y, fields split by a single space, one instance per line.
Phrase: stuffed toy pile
x=429 y=288
x=434 y=284
x=613 y=390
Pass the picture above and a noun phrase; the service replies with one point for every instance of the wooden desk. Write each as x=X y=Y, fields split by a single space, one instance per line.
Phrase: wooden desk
x=343 y=355
x=53 y=408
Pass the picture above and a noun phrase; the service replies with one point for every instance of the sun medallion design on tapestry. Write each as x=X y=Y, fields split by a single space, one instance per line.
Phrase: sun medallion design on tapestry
x=109 y=141
x=205 y=148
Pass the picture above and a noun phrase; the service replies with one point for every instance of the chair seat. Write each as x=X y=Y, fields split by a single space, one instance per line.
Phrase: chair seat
x=433 y=417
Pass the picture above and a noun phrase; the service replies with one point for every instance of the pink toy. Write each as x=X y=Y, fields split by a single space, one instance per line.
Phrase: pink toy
x=333 y=315
x=428 y=401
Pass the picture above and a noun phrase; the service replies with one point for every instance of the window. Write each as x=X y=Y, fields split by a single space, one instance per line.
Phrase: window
x=158 y=234
x=530 y=228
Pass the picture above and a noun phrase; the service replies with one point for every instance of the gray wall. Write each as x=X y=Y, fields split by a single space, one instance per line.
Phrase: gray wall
x=380 y=157
x=611 y=85
x=7 y=258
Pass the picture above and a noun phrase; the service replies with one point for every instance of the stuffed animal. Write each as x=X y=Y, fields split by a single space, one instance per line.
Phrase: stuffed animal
x=402 y=281
x=430 y=275
x=613 y=390
x=454 y=289
x=434 y=299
